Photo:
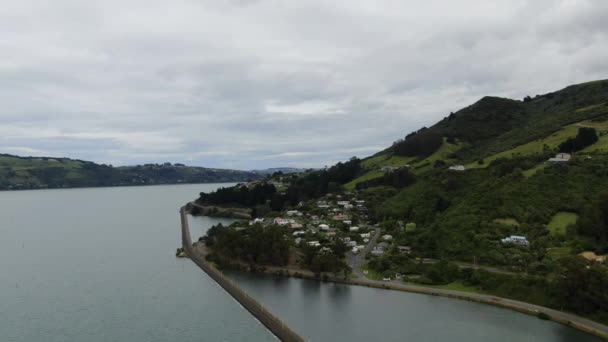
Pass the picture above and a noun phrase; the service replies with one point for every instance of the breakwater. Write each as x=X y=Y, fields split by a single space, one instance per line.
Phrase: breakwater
x=274 y=324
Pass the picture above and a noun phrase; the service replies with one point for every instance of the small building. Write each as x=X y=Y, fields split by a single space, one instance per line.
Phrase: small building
x=281 y=221
x=314 y=243
x=348 y=222
x=351 y=243
x=323 y=227
x=387 y=237
x=256 y=220
x=382 y=245
x=457 y=168
x=353 y=229
x=560 y=158
x=346 y=239
x=365 y=235
x=515 y=240
x=405 y=249
x=377 y=252
x=342 y=203
x=366 y=240
x=325 y=250
x=298 y=240
x=293 y=213
x=341 y=217
x=298 y=232
x=388 y=168
x=355 y=250
x=296 y=225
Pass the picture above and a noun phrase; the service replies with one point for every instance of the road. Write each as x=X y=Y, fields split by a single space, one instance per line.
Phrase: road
x=359 y=259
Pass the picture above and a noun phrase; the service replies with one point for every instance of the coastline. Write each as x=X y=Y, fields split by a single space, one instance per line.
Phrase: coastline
x=568 y=319
x=273 y=323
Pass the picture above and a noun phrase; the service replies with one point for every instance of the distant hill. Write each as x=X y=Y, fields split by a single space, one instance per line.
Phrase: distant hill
x=45 y=172
x=284 y=170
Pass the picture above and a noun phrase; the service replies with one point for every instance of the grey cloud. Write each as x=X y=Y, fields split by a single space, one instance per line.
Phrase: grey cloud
x=251 y=84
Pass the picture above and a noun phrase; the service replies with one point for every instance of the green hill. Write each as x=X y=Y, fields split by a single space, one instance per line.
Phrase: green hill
x=502 y=184
x=44 y=172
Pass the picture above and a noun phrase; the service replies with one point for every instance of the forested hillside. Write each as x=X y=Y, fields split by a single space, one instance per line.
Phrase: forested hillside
x=43 y=172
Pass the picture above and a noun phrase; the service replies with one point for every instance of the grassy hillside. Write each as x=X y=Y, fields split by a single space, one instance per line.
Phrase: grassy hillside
x=43 y=172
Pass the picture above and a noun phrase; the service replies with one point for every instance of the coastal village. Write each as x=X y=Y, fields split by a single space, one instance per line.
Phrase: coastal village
x=342 y=220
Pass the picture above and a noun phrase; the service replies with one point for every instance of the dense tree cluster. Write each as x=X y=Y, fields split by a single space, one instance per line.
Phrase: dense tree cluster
x=586 y=136
x=239 y=195
x=332 y=262
x=301 y=188
x=593 y=223
x=421 y=144
x=255 y=245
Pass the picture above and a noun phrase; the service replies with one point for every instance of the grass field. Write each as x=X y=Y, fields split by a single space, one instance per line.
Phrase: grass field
x=560 y=221
x=375 y=164
x=531 y=172
x=557 y=253
x=552 y=142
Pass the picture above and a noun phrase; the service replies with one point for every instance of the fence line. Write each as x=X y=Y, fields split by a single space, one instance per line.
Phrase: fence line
x=274 y=324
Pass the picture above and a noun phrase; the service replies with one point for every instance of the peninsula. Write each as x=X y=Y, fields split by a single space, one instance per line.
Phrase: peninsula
x=504 y=200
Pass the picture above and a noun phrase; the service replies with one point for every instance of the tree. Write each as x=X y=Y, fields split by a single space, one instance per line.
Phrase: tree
x=580 y=286
x=586 y=136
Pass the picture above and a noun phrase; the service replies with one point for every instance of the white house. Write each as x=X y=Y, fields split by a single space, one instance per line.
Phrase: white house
x=388 y=168
x=353 y=229
x=365 y=235
x=457 y=168
x=366 y=240
x=516 y=240
x=561 y=158
x=348 y=222
x=342 y=202
x=355 y=250
x=298 y=232
x=293 y=213
x=351 y=243
x=314 y=243
x=256 y=220
x=323 y=227
x=387 y=237
x=298 y=240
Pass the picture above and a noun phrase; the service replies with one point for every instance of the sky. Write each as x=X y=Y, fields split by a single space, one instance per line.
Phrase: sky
x=249 y=84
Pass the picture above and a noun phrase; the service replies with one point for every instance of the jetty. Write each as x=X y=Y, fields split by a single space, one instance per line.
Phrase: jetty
x=270 y=321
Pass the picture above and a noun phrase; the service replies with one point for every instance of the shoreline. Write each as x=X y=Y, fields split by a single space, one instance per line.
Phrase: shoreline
x=577 y=322
x=112 y=186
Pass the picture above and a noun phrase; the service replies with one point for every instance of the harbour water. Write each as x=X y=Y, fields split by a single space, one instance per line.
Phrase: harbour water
x=98 y=264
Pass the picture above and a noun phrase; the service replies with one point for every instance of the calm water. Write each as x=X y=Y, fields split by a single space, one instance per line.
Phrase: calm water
x=99 y=265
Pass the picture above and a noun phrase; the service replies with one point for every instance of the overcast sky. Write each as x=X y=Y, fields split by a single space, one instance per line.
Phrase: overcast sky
x=251 y=84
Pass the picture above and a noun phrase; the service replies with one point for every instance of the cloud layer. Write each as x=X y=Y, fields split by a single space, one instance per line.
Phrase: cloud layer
x=251 y=84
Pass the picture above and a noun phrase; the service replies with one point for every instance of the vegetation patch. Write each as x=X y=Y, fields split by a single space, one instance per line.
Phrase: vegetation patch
x=556 y=253
x=560 y=221
x=507 y=221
